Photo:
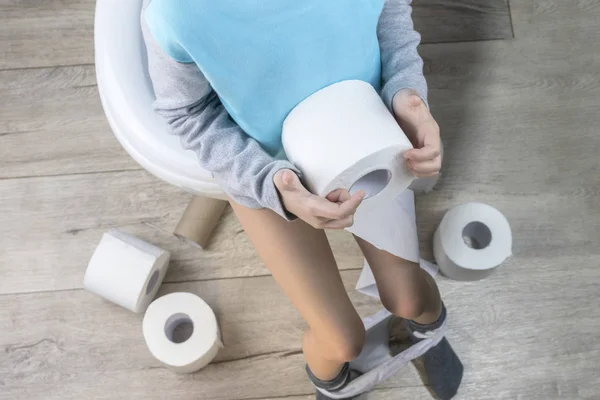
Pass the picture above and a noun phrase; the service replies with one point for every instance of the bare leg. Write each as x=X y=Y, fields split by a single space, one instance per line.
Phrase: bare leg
x=301 y=261
x=405 y=289
x=409 y=292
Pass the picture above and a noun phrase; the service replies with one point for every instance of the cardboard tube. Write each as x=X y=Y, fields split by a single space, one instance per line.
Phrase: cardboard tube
x=199 y=220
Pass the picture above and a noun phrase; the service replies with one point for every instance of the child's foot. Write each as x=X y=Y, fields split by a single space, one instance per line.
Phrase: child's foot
x=345 y=376
x=443 y=370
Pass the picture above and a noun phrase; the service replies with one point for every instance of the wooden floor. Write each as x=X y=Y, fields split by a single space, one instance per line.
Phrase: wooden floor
x=519 y=117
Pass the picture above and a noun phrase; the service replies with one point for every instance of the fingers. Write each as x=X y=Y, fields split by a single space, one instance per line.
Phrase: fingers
x=325 y=208
x=336 y=211
x=290 y=180
x=333 y=212
x=425 y=168
x=287 y=177
x=341 y=195
x=425 y=153
x=348 y=207
x=340 y=223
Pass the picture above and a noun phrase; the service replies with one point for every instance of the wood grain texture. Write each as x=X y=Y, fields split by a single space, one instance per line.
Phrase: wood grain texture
x=63 y=219
x=516 y=339
x=519 y=122
x=36 y=33
x=60 y=32
x=453 y=21
x=51 y=123
x=42 y=217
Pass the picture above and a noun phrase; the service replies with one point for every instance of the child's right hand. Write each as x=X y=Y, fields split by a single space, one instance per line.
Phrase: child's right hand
x=334 y=212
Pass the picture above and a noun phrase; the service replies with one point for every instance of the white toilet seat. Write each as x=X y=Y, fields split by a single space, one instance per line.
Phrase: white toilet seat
x=127 y=95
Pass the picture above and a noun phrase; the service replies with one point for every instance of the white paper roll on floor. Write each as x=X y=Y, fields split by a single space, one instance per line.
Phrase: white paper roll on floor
x=343 y=136
x=126 y=270
x=471 y=241
x=188 y=353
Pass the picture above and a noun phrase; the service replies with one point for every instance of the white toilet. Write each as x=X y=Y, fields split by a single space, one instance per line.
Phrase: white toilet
x=126 y=92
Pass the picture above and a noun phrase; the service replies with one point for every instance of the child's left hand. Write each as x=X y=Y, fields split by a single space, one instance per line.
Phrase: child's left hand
x=418 y=124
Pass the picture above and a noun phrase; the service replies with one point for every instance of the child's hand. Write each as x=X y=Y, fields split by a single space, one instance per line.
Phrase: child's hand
x=417 y=123
x=334 y=212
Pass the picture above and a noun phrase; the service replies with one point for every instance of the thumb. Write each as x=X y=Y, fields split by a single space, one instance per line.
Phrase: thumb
x=289 y=180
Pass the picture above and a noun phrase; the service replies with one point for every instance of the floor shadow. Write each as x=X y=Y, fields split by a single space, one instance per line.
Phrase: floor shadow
x=449 y=69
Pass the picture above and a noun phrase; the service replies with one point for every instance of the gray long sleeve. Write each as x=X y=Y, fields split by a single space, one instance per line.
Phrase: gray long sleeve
x=193 y=111
x=401 y=65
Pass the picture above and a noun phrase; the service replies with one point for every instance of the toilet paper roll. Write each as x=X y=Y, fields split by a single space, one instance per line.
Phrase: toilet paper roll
x=471 y=241
x=343 y=136
x=126 y=270
x=187 y=353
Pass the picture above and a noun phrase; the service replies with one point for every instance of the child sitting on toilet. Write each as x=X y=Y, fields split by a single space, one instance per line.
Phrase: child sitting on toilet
x=226 y=73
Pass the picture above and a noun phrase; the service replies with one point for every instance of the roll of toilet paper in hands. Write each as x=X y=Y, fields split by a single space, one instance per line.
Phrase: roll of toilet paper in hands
x=344 y=137
x=181 y=331
x=126 y=270
x=471 y=241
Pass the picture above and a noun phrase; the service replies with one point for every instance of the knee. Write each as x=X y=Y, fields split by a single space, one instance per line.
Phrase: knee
x=405 y=307
x=343 y=344
x=349 y=345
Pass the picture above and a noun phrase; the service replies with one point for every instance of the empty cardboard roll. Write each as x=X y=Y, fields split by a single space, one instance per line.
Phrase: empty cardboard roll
x=199 y=220
x=472 y=240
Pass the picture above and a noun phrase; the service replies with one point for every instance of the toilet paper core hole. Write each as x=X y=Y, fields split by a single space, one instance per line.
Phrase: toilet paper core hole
x=477 y=235
x=372 y=183
x=179 y=328
x=152 y=282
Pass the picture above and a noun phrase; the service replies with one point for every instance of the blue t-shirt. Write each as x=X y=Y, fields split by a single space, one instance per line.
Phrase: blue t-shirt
x=263 y=57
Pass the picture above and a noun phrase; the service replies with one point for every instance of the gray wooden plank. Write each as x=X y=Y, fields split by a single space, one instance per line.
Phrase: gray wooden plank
x=49 y=228
x=46 y=33
x=518 y=333
x=77 y=333
x=462 y=20
x=415 y=393
x=60 y=32
x=556 y=20
x=51 y=122
x=478 y=391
